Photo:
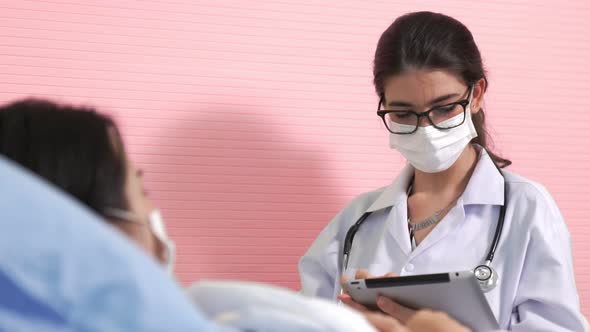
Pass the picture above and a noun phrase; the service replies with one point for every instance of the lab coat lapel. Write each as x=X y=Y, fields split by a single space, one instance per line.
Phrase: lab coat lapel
x=395 y=199
x=453 y=218
x=397 y=226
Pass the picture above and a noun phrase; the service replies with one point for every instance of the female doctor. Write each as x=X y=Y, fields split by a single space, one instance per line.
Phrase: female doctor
x=453 y=207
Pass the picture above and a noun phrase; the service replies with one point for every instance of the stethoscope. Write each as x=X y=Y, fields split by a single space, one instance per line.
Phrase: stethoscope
x=484 y=273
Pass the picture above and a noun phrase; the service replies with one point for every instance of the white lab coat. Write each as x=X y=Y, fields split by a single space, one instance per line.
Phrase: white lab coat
x=537 y=290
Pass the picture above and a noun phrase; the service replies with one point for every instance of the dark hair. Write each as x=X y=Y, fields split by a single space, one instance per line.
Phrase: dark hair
x=426 y=40
x=75 y=148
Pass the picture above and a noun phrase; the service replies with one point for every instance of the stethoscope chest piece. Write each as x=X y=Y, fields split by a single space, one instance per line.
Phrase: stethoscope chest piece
x=486 y=277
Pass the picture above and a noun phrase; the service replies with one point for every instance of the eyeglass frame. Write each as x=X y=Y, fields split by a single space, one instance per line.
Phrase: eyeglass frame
x=463 y=102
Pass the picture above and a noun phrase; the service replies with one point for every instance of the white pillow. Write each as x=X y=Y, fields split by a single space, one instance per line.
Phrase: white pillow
x=258 y=307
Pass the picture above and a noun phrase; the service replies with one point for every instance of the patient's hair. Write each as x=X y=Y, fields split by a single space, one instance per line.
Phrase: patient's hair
x=75 y=148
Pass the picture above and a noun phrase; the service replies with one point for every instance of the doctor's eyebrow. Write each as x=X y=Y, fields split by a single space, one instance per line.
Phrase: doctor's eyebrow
x=430 y=103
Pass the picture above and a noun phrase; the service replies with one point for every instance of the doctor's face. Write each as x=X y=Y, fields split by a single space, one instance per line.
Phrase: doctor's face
x=421 y=90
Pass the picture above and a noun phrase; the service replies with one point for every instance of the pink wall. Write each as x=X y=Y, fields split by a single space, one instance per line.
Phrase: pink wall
x=254 y=120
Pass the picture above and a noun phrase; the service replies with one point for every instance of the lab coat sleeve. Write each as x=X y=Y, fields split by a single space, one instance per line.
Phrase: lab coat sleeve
x=547 y=299
x=319 y=266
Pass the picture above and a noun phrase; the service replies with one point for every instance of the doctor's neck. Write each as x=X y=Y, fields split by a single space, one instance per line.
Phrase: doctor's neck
x=453 y=180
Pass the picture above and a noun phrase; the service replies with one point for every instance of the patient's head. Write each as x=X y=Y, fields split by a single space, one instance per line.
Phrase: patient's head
x=81 y=152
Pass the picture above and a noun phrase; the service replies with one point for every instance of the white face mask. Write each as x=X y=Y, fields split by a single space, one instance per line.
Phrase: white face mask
x=156 y=224
x=159 y=230
x=432 y=150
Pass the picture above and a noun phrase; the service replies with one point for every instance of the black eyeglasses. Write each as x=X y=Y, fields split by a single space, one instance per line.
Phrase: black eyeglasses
x=441 y=117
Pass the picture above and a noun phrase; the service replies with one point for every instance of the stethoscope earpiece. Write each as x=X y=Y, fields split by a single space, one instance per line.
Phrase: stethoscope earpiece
x=486 y=277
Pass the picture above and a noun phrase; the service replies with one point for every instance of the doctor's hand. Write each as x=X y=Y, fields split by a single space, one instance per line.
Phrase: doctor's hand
x=346 y=298
x=386 y=305
x=422 y=321
x=434 y=321
x=384 y=323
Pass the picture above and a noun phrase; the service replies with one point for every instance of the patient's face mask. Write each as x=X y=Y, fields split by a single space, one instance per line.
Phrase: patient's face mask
x=157 y=228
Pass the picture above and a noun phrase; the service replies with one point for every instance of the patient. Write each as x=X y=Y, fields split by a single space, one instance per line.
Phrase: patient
x=82 y=152
x=63 y=269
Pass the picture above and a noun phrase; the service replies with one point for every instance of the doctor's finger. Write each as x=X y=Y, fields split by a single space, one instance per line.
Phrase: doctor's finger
x=426 y=320
x=346 y=299
x=397 y=311
x=363 y=274
x=385 y=323
x=343 y=280
x=390 y=275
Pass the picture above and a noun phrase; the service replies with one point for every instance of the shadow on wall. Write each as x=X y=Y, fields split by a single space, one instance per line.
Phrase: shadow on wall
x=242 y=199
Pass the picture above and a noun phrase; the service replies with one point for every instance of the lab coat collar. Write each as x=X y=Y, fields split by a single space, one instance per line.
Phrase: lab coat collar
x=395 y=192
x=486 y=185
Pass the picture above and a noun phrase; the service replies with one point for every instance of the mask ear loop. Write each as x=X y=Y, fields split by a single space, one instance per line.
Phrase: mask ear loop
x=155 y=222
x=156 y=226
x=122 y=214
x=159 y=231
x=471 y=91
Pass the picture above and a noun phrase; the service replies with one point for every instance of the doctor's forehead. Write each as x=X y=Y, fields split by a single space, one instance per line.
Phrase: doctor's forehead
x=419 y=87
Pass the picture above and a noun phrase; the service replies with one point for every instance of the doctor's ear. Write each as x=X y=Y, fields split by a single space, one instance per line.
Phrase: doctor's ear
x=479 y=89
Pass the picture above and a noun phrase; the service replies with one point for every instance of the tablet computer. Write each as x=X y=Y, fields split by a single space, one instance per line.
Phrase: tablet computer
x=456 y=293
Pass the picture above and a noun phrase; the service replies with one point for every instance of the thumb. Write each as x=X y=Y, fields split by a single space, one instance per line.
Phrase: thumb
x=362 y=274
x=343 y=279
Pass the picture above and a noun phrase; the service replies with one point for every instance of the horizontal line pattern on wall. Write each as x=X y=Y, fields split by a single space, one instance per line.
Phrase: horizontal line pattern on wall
x=255 y=121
